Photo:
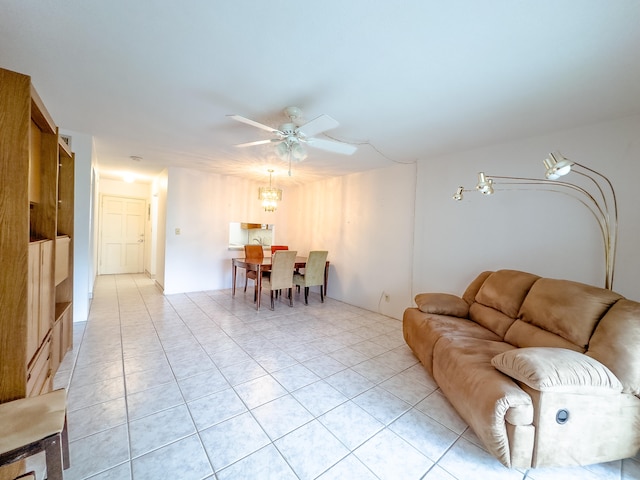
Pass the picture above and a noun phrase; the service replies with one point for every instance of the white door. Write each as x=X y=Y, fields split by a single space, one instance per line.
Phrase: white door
x=122 y=235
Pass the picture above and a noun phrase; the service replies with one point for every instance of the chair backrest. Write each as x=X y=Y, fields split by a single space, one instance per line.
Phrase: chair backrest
x=253 y=251
x=282 y=266
x=314 y=269
x=274 y=248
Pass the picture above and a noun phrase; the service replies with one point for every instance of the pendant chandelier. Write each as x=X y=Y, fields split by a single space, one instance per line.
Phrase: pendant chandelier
x=270 y=196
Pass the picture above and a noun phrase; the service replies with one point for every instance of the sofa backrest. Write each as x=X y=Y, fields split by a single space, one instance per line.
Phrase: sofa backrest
x=497 y=301
x=560 y=313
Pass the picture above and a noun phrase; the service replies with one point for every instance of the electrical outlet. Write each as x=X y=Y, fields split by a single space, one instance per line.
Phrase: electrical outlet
x=177 y=231
x=386 y=297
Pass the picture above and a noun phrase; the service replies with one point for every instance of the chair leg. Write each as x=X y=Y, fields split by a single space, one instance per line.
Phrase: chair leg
x=272 y=305
x=246 y=280
x=65 y=445
x=53 y=454
x=321 y=294
x=290 y=297
x=306 y=295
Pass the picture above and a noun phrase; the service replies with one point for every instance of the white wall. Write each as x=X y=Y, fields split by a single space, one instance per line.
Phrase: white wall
x=159 y=189
x=202 y=205
x=83 y=273
x=547 y=234
x=365 y=221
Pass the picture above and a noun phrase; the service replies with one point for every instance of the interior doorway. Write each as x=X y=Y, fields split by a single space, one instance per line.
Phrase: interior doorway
x=122 y=239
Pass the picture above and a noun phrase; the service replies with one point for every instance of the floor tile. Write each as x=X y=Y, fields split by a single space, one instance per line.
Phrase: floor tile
x=349 y=382
x=95 y=393
x=392 y=458
x=184 y=459
x=382 y=405
x=425 y=434
x=160 y=429
x=233 y=439
x=202 y=384
x=351 y=424
x=319 y=397
x=464 y=457
x=153 y=400
x=294 y=377
x=281 y=416
x=311 y=437
x=348 y=468
x=97 y=453
x=96 y=418
x=216 y=408
x=266 y=463
x=260 y=391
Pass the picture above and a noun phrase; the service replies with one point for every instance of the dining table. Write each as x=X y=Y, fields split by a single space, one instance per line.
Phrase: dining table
x=264 y=265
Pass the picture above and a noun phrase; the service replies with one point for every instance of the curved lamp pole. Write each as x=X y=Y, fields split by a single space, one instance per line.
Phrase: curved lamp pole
x=600 y=200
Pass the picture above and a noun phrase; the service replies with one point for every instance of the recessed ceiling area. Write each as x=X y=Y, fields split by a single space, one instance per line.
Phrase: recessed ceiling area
x=406 y=81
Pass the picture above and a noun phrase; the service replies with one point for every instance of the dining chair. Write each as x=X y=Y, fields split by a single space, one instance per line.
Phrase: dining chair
x=254 y=252
x=313 y=274
x=282 y=265
x=275 y=248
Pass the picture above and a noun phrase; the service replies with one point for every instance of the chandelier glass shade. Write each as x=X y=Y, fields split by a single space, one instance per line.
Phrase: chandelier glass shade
x=597 y=194
x=270 y=196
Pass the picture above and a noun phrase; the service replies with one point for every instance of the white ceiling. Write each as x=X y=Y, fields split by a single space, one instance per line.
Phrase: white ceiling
x=407 y=80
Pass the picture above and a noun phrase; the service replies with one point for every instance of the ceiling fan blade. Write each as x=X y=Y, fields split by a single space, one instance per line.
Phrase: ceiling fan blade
x=254 y=123
x=317 y=125
x=257 y=142
x=336 y=147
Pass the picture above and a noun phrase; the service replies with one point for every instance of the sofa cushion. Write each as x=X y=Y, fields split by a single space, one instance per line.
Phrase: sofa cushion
x=484 y=397
x=501 y=295
x=523 y=334
x=557 y=370
x=568 y=309
x=470 y=293
x=442 y=304
x=422 y=331
x=616 y=342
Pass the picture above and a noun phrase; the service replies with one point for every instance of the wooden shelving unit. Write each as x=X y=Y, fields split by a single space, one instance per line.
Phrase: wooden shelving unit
x=36 y=241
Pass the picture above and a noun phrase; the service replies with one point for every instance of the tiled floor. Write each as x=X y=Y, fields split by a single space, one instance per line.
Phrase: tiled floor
x=201 y=386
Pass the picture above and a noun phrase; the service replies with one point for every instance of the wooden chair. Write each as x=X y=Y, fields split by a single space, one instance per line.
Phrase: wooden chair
x=254 y=252
x=281 y=276
x=313 y=274
x=275 y=248
x=36 y=424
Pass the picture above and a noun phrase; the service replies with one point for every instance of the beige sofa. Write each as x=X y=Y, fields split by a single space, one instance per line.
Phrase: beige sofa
x=546 y=372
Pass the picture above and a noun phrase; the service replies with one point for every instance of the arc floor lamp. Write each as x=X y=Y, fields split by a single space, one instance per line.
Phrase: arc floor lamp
x=597 y=194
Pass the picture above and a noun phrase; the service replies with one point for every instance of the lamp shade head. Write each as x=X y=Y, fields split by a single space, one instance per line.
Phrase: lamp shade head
x=485 y=185
x=458 y=195
x=556 y=168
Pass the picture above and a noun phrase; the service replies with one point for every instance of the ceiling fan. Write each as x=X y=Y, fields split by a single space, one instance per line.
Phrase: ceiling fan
x=290 y=136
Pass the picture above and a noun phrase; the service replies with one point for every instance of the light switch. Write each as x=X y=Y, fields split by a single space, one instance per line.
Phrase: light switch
x=177 y=231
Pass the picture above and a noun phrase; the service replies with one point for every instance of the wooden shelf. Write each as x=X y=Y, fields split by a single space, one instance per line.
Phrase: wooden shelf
x=36 y=205
x=61 y=309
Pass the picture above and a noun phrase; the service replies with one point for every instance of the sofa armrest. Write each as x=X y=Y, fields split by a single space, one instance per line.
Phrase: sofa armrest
x=442 y=304
x=557 y=370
